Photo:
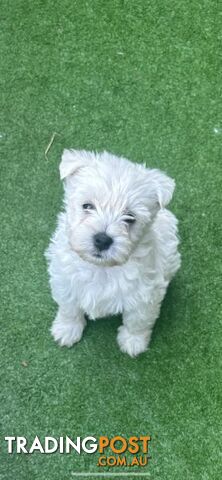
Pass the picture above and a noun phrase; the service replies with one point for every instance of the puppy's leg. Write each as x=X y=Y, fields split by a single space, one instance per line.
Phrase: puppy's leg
x=68 y=326
x=135 y=333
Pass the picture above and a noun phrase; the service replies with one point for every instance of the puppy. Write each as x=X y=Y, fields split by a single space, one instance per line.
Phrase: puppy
x=114 y=249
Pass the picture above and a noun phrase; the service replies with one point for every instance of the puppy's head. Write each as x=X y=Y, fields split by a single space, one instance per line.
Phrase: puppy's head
x=110 y=204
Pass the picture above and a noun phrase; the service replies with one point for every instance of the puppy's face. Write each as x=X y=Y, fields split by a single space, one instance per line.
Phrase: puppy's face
x=110 y=204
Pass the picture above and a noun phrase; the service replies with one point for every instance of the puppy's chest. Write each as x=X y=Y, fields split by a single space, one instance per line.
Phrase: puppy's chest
x=105 y=291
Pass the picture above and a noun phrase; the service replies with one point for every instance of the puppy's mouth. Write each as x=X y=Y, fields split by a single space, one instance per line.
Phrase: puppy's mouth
x=97 y=255
x=103 y=260
x=99 y=259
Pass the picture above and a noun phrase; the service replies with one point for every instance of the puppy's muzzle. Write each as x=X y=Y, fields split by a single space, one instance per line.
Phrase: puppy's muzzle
x=102 y=241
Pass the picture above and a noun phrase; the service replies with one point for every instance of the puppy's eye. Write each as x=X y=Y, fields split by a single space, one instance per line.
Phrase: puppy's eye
x=88 y=206
x=129 y=218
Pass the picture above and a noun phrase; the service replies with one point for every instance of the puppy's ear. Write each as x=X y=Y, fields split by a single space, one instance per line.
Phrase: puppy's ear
x=164 y=186
x=72 y=160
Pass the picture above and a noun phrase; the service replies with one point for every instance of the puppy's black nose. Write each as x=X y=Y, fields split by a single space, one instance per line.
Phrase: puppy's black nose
x=102 y=241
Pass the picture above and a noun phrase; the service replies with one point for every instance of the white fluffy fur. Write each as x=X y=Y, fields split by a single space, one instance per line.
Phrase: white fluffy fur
x=132 y=276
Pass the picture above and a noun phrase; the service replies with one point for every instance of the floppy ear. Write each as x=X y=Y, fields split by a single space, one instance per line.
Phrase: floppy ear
x=72 y=160
x=163 y=185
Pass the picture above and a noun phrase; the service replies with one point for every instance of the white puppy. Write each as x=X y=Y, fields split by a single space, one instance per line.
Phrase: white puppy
x=114 y=249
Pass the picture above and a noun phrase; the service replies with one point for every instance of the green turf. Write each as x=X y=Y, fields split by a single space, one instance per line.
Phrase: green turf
x=141 y=79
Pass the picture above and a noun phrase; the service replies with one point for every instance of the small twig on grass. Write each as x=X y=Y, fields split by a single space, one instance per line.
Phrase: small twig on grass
x=24 y=363
x=50 y=144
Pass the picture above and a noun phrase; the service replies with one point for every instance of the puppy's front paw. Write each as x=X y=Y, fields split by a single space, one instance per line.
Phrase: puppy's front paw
x=133 y=344
x=66 y=333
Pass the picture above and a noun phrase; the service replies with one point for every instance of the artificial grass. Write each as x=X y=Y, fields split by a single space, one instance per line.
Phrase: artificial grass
x=139 y=79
